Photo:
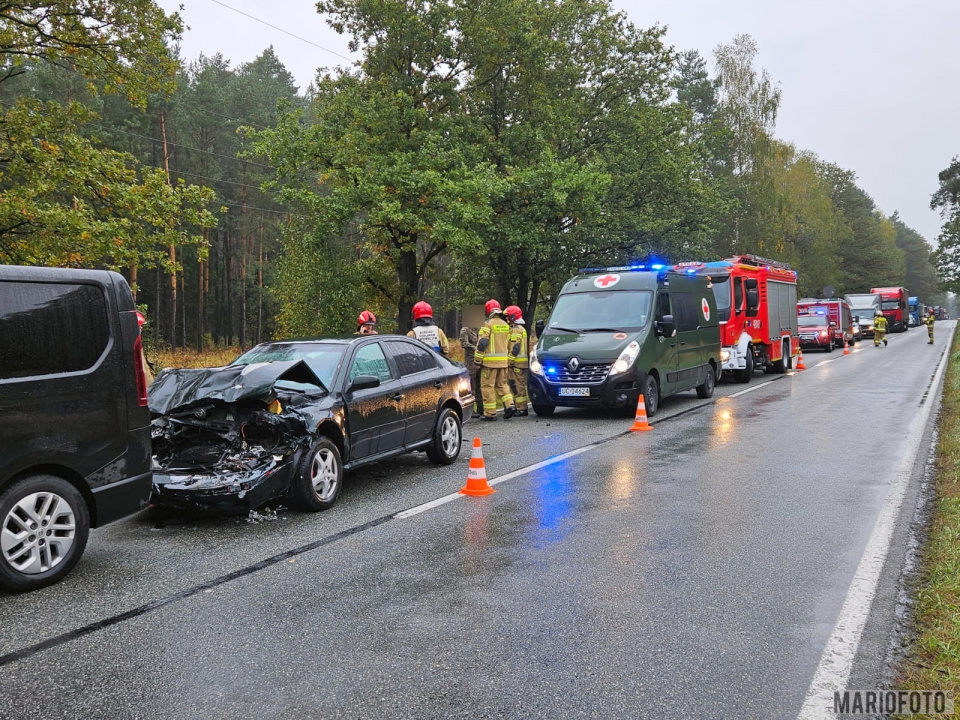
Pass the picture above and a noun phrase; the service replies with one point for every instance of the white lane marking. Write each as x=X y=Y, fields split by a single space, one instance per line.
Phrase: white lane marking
x=749 y=389
x=503 y=478
x=836 y=662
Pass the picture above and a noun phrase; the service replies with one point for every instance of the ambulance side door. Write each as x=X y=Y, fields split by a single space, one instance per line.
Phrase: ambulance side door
x=667 y=361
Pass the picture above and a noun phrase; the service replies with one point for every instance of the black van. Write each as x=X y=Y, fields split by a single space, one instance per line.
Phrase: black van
x=74 y=422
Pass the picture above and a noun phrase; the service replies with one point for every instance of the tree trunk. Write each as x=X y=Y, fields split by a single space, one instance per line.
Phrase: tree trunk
x=409 y=286
x=244 y=240
x=228 y=285
x=530 y=312
x=173 y=248
x=260 y=287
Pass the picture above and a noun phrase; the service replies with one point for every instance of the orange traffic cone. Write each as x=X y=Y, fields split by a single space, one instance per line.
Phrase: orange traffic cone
x=846 y=347
x=477 y=476
x=800 y=364
x=640 y=423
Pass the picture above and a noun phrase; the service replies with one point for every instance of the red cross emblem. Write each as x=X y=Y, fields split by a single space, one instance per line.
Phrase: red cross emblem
x=607 y=280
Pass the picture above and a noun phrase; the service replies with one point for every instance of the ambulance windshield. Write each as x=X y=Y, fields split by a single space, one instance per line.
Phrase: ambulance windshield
x=721 y=291
x=601 y=311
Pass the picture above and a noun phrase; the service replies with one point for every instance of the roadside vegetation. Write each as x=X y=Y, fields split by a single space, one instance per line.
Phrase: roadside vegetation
x=934 y=660
x=469 y=152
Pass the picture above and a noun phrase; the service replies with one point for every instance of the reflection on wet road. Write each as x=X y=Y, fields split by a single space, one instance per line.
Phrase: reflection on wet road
x=692 y=571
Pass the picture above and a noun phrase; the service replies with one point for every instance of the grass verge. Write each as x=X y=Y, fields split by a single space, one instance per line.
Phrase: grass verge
x=933 y=662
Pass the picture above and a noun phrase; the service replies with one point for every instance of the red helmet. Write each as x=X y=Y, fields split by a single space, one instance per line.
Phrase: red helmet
x=513 y=313
x=421 y=310
x=366 y=318
x=491 y=307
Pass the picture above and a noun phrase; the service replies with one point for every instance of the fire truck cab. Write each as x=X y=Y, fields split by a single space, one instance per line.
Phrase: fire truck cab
x=757 y=307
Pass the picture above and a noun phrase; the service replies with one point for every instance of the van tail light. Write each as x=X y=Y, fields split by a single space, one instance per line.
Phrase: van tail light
x=138 y=371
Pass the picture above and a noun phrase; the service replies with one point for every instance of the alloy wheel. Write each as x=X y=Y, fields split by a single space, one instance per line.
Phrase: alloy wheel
x=37 y=533
x=324 y=474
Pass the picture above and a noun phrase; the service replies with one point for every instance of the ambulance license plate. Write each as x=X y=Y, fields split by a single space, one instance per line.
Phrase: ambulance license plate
x=575 y=391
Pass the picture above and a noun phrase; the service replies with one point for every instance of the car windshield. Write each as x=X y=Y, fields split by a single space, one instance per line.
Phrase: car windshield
x=811 y=320
x=610 y=309
x=322 y=358
x=891 y=305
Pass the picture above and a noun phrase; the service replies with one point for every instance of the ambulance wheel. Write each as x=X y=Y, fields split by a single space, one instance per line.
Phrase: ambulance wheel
x=745 y=375
x=705 y=389
x=651 y=395
x=544 y=410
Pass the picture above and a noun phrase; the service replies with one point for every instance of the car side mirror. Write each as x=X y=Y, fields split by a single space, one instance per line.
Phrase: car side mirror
x=832 y=324
x=538 y=326
x=856 y=318
x=363 y=382
x=665 y=327
x=753 y=299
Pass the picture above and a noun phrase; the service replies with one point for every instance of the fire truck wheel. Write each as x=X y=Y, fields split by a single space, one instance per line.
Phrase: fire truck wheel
x=651 y=395
x=745 y=375
x=705 y=389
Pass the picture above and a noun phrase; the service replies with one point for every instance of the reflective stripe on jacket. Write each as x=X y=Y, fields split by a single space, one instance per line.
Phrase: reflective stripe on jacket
x=497 y=332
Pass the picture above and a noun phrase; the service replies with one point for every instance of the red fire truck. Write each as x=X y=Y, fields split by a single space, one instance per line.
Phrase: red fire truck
x=894 y=304
x=841 y=319
x=757 y=309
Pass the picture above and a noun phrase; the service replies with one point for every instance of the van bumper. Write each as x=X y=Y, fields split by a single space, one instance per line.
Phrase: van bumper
x=120 y=499
x=621 y=390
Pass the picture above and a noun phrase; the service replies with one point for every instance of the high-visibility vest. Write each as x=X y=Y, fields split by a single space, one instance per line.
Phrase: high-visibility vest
x=880 y=324
x=496 y=355
x=518 y=334
x=428 y=335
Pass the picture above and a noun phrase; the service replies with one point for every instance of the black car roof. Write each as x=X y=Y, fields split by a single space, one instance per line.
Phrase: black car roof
x=337 y=339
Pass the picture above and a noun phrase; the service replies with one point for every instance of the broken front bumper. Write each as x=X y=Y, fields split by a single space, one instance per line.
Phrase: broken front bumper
x=229 y=490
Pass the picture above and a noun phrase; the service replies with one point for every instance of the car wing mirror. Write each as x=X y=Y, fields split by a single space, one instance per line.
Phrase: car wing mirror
x=538 y=326
x=665 y=327
x=833 y=324
x=363 y=382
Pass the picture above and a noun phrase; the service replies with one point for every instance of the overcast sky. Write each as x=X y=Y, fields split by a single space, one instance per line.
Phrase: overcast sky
x=870 y=85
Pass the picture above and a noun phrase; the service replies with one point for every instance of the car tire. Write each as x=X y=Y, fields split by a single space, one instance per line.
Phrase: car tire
x=651 y=395
x=544 y=410
x=705 y=389
x=45 y=525
x=319 y=476
x=745 y=375
x=447 y=438
x=780 y=366
x=829 y=347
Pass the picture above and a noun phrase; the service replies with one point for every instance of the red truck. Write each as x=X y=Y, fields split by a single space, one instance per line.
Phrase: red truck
x=757 y=307
x=840 y=319
x=895 y=306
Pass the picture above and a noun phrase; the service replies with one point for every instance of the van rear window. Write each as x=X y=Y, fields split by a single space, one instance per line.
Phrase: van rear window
x=50 y=328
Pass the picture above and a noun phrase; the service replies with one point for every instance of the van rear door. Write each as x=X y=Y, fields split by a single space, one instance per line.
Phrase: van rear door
x=667 y=360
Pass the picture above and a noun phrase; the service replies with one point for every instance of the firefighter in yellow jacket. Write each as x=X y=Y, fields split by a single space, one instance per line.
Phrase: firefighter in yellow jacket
x=492 y=357
x=929 y=320
x=518 y=357
x=879 y=329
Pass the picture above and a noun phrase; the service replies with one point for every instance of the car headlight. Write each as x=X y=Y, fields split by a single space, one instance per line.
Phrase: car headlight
x=823 y=333
x=535 y=367
x=724 y=356
x=625 y=361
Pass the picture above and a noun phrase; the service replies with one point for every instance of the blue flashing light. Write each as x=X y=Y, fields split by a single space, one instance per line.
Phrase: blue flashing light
x=658 y=266
x=552 y=370
x=691 y=271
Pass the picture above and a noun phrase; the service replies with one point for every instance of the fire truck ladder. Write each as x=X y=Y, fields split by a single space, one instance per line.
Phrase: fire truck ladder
x=758 y=261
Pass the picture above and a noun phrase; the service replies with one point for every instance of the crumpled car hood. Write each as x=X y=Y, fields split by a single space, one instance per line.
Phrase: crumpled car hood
x=178 y=387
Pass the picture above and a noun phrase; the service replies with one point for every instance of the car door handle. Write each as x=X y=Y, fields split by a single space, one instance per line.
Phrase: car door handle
x=683 y=343
x=438 y=384
x=398 y=397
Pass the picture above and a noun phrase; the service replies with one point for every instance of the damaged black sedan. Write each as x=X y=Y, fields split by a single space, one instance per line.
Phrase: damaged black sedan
x=287 y=418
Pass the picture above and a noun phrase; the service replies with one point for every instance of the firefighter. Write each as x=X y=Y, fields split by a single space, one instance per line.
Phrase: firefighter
x=469 y=337
x=492 y=357
x=425 y=329
x=366 y=323
x=929 y=320
x=879 y=329
x=518 y=357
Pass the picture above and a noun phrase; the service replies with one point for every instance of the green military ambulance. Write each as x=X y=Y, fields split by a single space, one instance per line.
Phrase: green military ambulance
x=617 y=332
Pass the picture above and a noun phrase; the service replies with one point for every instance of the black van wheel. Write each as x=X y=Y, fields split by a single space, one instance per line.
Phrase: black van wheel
x=447 y=439
x=705 y=389
x=651 y=395
x=544 y=410
x=319 y=476
x=45 y=525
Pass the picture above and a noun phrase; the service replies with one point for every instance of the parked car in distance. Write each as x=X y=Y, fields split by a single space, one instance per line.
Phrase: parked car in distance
x=74 y=423
x=816 y=331
x=285 y=419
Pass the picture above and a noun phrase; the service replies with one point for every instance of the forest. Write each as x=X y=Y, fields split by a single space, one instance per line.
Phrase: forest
x=475 y=151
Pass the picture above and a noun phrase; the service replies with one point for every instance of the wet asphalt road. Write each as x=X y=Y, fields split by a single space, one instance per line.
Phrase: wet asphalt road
x=692 y=571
